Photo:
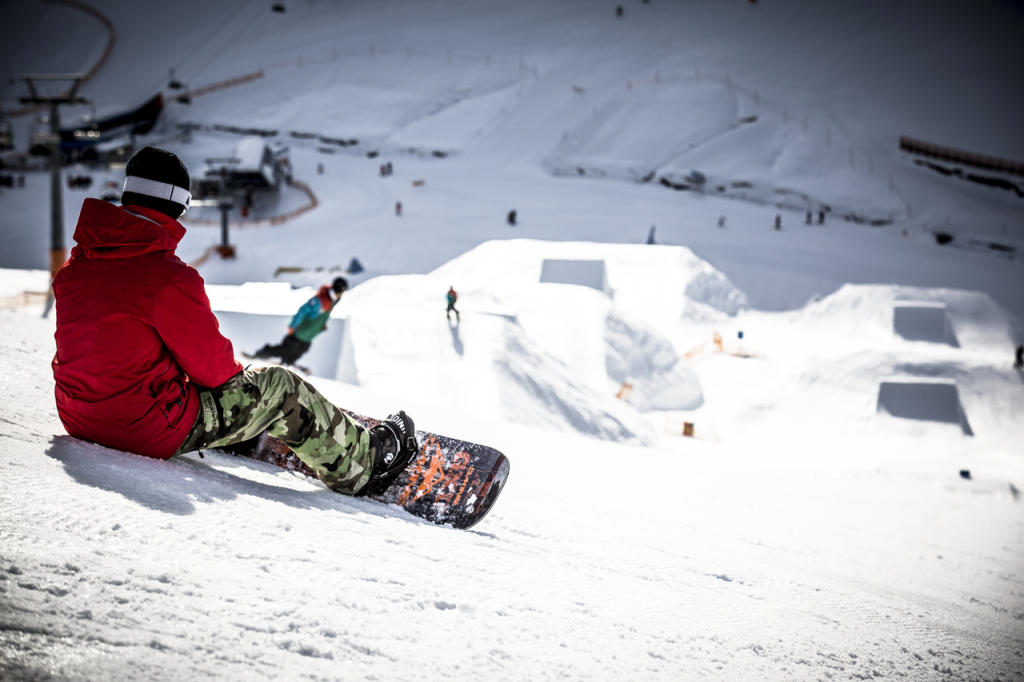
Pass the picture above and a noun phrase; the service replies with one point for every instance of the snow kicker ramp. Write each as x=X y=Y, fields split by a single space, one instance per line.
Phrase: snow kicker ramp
x=486 y=364
x=587 y=273
x=923 y=321
x=926 y=399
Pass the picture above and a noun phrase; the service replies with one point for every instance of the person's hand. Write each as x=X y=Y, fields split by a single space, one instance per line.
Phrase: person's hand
x=290 y=331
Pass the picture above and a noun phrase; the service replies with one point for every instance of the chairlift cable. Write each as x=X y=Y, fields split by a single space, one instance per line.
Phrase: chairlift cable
x=229 y=43
x=206 y=39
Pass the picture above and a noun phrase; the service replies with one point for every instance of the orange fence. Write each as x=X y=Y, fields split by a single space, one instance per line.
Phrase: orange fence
x=100 y=17
x=272 y=220
x=935 y=151
x=107 y=49
x=221 y=85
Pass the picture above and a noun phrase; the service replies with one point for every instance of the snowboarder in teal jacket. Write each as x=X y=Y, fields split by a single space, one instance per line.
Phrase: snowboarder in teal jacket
x=306 y=324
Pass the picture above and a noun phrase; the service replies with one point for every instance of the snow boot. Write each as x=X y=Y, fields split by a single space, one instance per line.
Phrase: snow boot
x=394 y=445
x=263 y=352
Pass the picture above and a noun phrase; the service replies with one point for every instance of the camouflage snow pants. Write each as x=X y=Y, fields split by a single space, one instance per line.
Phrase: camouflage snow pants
x=276 y=400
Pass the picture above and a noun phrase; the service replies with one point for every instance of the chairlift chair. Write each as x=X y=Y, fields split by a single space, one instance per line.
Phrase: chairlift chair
x=88 y=131
x=173 y=83
x=40 y=137
x=6 y=135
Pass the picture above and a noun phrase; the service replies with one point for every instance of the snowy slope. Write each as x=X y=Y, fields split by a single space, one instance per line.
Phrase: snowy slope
x=804 y=533
x=864 y=560
x=809 y=530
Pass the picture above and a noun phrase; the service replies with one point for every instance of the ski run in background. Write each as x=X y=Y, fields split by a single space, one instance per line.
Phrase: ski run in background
x=848 y=506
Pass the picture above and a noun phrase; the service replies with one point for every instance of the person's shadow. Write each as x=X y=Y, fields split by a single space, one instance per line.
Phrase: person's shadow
x=152 y=483
x=174 y=486
x=456 y=339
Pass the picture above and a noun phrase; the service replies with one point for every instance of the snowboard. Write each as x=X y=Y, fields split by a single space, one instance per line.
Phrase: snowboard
x=301 y=368
x=450 y=482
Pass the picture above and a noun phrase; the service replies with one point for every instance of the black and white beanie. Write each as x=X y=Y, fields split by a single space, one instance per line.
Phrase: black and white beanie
x=157 y=179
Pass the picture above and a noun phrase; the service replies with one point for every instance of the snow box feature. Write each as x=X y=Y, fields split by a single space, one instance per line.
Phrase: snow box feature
x=923 y=321
x=935 y=400
x=587 y=273
x=249 y=331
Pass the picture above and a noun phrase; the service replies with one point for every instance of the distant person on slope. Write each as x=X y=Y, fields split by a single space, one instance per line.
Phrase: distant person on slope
x=306 y=324
x=452 y=298
x=141 y=364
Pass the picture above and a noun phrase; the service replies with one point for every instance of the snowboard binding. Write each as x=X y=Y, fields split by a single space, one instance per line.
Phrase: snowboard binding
x=394 y=445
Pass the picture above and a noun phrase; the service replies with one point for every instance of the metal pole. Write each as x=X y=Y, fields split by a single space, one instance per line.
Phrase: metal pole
x=58 y=254
x=224 y=208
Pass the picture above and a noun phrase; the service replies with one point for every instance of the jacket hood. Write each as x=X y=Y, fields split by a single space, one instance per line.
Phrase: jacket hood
x=108 y=231
x=325 y=294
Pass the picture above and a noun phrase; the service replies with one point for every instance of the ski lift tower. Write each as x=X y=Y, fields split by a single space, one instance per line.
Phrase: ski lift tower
x=57 y=251
x=224 y=200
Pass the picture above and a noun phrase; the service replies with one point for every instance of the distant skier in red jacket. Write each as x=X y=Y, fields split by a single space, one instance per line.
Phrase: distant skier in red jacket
x=452 y=297
x=142 y=366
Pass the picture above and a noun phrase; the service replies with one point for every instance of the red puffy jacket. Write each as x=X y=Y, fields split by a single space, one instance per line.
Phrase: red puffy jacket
x=135 y=333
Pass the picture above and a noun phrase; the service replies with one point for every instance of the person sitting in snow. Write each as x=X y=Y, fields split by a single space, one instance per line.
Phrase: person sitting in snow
x=452 y=297
x=141 y=364
x=306 y=324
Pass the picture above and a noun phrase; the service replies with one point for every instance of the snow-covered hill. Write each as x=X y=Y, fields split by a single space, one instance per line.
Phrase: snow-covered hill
x=849 y=504
x=788 y=548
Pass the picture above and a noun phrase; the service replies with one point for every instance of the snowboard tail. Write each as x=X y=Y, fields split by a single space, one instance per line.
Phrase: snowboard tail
x=450 y=482
x=302 y=368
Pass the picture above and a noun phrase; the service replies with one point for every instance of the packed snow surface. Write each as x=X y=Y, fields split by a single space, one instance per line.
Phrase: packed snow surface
x=849 y=504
